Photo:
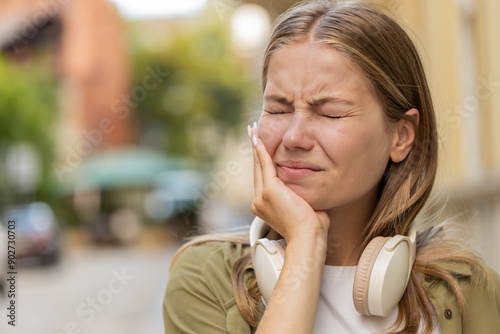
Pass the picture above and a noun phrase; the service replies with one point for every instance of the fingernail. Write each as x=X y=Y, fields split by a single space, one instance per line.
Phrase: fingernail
x=255 y=125
x=254 y=140
x=249 y=129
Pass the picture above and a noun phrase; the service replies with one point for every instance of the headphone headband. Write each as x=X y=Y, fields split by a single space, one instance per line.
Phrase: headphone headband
x=258 y=230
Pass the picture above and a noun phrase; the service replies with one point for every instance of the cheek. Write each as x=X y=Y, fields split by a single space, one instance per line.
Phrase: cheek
x=271 y=130
x=372 y=156
x=359 y=152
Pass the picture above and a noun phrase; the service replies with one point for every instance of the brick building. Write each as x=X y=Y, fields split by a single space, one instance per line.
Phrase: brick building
x=85 y=39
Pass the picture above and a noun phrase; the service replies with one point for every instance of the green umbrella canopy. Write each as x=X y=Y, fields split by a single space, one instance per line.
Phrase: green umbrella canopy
x=124 y=168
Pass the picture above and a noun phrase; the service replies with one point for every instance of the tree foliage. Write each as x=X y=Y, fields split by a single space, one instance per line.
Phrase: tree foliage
x=28 y=109
x=206 y=92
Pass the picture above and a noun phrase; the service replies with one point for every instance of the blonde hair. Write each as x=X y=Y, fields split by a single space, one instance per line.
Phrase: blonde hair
x=383 y=50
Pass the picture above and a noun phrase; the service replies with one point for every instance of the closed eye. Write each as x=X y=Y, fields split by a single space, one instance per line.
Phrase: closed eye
x=332 y=117
x=279 y=112
x=276 y=112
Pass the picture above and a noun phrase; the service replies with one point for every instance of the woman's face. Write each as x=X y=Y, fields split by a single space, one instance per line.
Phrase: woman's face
x=324 y=127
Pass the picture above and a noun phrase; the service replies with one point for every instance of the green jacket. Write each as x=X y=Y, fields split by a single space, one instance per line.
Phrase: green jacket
x=199 y=297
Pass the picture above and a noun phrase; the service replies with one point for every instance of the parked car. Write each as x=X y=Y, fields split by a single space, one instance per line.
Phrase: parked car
x=175 y=192
x=37 y=232
x=176 y=199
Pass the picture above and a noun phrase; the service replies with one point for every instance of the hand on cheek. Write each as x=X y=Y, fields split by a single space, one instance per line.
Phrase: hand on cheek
x=278 y=205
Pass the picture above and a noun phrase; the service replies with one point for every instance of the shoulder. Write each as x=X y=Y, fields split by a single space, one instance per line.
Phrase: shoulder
x=492 y=283
x=199 y=297
x=206 y=268
x=209 y=256
x=482 y=297
x=481 y=293
x=476 y=282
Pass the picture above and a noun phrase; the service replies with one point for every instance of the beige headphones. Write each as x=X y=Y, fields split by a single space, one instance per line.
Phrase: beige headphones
x=381 y=277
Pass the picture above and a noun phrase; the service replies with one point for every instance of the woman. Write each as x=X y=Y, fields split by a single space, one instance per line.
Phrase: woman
x=345 y=151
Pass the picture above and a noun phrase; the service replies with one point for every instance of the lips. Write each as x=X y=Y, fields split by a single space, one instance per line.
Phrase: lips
x=297 y=169
x=299 y=165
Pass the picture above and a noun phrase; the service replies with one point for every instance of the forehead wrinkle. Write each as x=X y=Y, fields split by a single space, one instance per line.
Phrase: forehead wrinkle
x=311 y=94
x=323 y=91
x=275 y=92
x=314 y=79
x=322 y=99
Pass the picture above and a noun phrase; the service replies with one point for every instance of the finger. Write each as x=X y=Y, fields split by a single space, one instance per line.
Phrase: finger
x=257 y=170
x=266 y=163
x=257 y=174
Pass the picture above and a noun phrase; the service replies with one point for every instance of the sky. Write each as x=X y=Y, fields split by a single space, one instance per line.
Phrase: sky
x=147 y=9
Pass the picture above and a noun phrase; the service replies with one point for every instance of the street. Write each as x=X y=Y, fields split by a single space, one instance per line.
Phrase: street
x=92 y=290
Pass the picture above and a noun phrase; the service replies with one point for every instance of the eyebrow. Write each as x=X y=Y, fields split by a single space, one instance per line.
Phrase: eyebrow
x=279 y=99
x=325 y=100
x=313 y=102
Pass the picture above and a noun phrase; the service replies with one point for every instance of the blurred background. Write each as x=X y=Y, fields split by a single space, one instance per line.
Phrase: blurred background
x=123 y=130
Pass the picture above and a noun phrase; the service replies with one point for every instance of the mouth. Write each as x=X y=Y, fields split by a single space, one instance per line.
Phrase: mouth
x=299 y=165
x=297 y=169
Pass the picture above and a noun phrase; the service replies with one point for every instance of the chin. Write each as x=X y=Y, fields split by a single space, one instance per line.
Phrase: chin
x=318 y=200
x=319 y=206
x=311 y=198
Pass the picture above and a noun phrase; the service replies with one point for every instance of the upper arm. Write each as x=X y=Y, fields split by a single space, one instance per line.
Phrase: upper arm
x=199 y=297
x=190 y=305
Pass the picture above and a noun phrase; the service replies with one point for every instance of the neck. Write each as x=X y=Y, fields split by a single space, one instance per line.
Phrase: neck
x=346 y=227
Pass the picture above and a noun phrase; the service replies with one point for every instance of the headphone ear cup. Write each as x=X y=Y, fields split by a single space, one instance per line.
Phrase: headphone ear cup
x=268 y=258
x=363 y=273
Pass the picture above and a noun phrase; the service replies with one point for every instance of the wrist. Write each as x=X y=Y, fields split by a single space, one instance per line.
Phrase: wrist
x=311 y=236
x=308 y=247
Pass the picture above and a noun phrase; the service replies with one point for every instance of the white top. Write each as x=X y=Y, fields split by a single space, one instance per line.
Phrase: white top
x=336 y=312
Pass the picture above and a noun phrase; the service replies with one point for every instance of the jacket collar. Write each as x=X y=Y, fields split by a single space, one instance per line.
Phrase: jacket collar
x=457 y=269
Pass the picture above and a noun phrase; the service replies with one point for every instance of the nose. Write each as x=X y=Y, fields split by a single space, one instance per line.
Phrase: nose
x=298 y=135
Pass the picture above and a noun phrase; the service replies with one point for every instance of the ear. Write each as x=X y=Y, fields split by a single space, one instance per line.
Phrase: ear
x=404 y=136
